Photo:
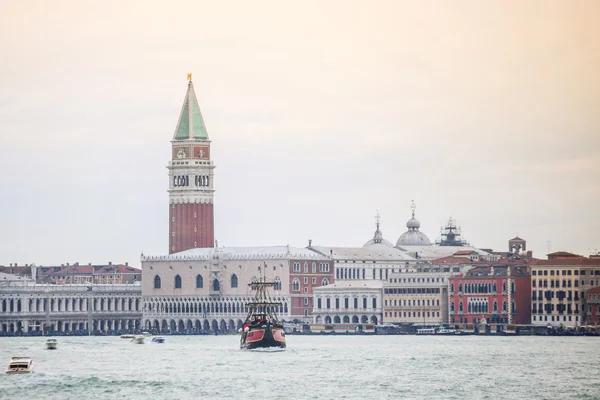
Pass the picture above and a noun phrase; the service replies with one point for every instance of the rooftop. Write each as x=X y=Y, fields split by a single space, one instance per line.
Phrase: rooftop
x=239 y=253
x=347 y=284
x=376 y=252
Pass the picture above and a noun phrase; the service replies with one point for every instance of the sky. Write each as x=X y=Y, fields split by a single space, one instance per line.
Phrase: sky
x=321 y=114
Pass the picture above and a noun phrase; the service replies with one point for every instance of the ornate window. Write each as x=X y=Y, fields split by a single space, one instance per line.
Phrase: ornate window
x=199 y=282
x=306 y=267
x=234 y=281
x=314 y=267
x=157 y=282
x=296 y=285
x=277 y=283
x=177 y=282
x=324 y=282
x=296 y=267
x=216 y=285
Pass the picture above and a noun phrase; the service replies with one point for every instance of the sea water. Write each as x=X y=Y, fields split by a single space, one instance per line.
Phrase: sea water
x=312 y=367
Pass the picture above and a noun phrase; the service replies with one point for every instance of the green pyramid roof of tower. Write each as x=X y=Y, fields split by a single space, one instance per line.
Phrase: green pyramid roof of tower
x=190 y=125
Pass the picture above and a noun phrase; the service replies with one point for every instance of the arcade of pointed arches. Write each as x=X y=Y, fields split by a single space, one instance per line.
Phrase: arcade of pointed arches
x=200 y=314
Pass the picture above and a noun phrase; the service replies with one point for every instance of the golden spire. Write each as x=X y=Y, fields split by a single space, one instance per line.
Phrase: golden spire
x=189 y=76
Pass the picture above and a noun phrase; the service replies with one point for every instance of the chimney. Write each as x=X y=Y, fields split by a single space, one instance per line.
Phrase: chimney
x=126 y=264
x=67 y=264
x=110 y=263
x=309 y=242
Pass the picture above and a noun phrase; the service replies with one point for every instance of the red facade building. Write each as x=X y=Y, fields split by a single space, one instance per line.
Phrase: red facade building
x=494 y=294
x=304 y=276
x=191 y=186
x=593 y=304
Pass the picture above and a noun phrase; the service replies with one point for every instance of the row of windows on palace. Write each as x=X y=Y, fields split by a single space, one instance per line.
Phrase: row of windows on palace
x=71 y=304
x=482 y=307
x=347 y=302
x=560 y=295
x=216 y=284
x=323 y=267
x=564 y=272
x=413 y=314
x=544 y=318
x=480 y=288
x=384 y=274
x=415 y=303
x=412 y=291
x=556 y=283
x=549 y=308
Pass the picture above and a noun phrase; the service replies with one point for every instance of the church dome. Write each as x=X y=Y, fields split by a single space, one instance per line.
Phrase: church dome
x=413 y=223
x=413 y=237
x=378 y=239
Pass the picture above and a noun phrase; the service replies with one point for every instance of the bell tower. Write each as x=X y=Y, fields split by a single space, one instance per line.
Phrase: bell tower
x=191 y=189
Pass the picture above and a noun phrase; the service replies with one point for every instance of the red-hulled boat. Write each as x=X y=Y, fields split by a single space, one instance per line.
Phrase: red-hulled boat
x=262 y=328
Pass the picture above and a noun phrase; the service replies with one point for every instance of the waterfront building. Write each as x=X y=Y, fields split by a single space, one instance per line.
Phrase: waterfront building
x=205 y=289
x=191 y=180
x=416 y=298
x=375 y=262
x=30 y=308
x=86 y=274
x=349 y=301
x=66 y=274
x=499 y=293
x=593 y=306
x=558 y=287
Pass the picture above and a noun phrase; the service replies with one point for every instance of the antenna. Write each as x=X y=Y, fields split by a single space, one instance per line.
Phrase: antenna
x=548 y=242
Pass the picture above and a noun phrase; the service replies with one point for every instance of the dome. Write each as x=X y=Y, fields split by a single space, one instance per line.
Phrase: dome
x=413 y=223
x=413 y=238
x=383 y=242
x=378 y=239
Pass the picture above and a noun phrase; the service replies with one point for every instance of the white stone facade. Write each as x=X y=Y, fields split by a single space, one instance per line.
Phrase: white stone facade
x=348 y=302
x=29 y=308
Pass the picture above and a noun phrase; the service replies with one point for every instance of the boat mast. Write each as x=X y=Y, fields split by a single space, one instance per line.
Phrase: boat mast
x=263 y=304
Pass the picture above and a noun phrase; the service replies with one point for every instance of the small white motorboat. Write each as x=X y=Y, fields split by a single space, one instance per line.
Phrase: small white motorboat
x=159 y=339
x=138 y=339
x=20 y=365
x=127 y=336
x=51 y=344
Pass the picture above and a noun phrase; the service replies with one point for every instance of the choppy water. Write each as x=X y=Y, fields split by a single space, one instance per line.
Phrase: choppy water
x=342 y=367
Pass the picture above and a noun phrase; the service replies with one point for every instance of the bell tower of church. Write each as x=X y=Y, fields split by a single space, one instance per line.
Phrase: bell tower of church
x=191 y=189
